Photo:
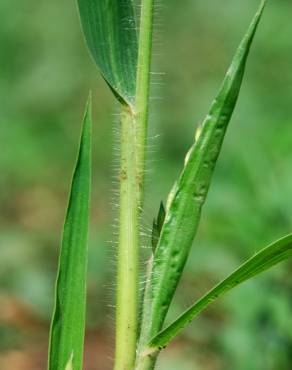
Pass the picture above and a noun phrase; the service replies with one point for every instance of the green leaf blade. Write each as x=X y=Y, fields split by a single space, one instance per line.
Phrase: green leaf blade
x=110 y=31
x=68 y=321
x=262 y=261
x=189 y=193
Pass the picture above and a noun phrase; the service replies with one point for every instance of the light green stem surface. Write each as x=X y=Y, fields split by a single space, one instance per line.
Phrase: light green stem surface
x=147 y=361
x=143 y=85
x=127 y=290
x=133 y=152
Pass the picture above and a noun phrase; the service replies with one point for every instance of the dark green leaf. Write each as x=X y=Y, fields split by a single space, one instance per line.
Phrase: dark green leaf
x=157 y=226
x=110 y=31
x=160 y=217
x=68 y=322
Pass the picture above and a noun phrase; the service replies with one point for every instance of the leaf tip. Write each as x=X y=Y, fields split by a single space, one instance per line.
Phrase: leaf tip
x=89 y=102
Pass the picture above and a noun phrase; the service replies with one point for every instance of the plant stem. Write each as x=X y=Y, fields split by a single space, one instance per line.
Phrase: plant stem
x=143 y=86
x=134 y=122
x=127 y=279
x=147 y=362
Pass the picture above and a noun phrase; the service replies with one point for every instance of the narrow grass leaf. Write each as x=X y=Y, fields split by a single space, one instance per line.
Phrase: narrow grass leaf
x=189 y=193
x=262 y=261
x=68 y=322
x=110 y=31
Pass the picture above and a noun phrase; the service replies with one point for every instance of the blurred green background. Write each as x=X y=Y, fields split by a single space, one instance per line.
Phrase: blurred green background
x=45 y=75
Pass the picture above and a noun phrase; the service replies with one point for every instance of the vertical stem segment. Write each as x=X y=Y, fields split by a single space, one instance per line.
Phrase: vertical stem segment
x=133 y=152
x=143 y=86
x=127 y=289
x=147 y=362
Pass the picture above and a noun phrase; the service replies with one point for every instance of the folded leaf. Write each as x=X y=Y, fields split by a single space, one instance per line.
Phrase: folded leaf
x=68 y=322
x=110 y=31
x=262 y=261
x=189 y=193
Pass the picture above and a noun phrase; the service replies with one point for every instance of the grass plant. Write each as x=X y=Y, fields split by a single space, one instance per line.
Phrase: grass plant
x=120 y=42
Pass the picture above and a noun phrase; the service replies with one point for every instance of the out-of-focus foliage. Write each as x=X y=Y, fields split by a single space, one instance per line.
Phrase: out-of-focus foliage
x=45 y=74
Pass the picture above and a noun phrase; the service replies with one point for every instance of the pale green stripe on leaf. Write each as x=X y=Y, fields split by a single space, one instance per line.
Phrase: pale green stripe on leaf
x=109 y=28
x=68 y=321
x=262 y=261
x=189 y=193
x=69 y=365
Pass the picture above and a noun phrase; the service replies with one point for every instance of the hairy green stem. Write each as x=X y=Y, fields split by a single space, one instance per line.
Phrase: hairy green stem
x=142 y=112
x=127 y=279
x=147 y=362
x=143 y=85
x=134 y=122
